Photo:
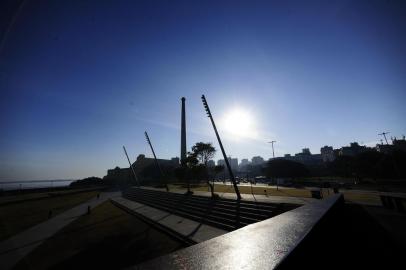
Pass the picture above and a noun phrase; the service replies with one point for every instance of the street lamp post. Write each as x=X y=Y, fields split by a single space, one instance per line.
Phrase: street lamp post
x=273 y=152
x=273 y=156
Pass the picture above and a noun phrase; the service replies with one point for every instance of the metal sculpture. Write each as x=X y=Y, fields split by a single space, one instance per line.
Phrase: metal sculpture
x=156 y=160
x=131 y=166
x=206 y=106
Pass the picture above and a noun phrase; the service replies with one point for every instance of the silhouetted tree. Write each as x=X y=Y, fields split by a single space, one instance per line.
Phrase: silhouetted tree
x=89 y=181
x=218 y=169
x=343 y=166
x=368 y=164
x=203 y=152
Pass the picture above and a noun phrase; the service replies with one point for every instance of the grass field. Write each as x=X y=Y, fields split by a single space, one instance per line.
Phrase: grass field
x=16 y=198
x=17 y=217
x=108 y=238
x=259 y=190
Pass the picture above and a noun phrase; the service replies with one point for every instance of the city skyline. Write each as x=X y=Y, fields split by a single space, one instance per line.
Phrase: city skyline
x=80 y=80
x=259 y=159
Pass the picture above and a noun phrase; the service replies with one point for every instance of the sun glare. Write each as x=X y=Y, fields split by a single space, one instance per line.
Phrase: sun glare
x=239 y=122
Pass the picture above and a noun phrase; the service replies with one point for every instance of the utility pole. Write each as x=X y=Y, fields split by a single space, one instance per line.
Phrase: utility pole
x=156 y=160
x=131 y=166
x=273 y=152
x=384 y=135
x=206 y=106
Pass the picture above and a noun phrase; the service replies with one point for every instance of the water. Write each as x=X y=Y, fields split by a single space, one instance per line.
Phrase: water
x=17 y=185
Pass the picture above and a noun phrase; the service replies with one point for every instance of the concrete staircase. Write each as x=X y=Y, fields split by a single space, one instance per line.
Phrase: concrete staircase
x=226 y=214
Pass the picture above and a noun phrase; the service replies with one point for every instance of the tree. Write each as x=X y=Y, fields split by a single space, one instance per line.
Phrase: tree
x=203 y=152
x=218 y=169
x=285 y=168
x=343 y=166
x=188 y=169
x=367 y=164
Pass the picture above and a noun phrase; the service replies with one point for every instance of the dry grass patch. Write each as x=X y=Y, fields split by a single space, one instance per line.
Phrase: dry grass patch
x=18 y=217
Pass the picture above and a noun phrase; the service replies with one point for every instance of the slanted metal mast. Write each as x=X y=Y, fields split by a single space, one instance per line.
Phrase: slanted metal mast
x=131 y=166
x=206 y=106
x=156 y=160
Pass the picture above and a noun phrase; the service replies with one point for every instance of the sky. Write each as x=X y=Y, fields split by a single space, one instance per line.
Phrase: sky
x=80 y=79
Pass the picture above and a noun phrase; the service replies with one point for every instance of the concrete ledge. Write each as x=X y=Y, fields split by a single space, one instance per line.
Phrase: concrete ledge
x=263 y=245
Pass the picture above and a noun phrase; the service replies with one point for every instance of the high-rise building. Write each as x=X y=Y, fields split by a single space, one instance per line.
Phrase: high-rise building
x=352 y=150
x=221 y=162
x=211 y=163
x=327 y=153
x=257 y=160
x=233 y=163
x=244 y=162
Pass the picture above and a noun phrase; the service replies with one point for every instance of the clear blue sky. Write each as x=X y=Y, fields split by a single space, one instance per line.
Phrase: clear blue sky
x=79 y=79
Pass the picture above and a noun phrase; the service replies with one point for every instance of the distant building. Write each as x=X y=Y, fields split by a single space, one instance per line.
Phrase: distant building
x=400 y=144
x=352 y=150
x=305 y=157
x=244 y=162
x=327 y=153
x=120 y=174
x=175 y=160
x=257 y=160
x=145 y=168
x=397 y=145
x=211 y=163
x=143 y=162
x=233 y=163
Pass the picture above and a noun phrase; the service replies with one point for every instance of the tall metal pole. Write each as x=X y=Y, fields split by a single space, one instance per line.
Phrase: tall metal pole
x=206 y=106
x=273 y=155
x=183 y=134
x=156 y=160
x=131 y=166
x=273 y=152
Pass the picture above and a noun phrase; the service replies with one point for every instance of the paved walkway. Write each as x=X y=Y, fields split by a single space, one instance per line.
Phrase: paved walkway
x=17 y=247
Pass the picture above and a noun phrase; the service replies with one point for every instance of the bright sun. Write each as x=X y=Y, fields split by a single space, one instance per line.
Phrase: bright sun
x=239 y=122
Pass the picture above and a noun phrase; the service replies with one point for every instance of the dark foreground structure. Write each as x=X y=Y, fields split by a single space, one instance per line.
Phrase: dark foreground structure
x=322 y=235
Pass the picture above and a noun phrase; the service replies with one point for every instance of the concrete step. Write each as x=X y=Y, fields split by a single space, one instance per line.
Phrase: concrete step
x=225 y=201
x=227 y=214
x=249 y=213
x=208 y=211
